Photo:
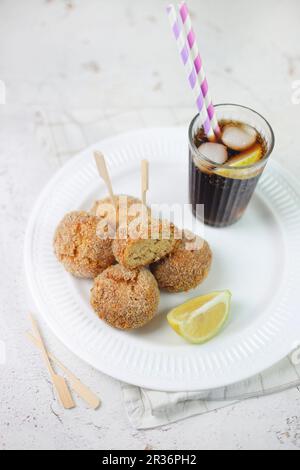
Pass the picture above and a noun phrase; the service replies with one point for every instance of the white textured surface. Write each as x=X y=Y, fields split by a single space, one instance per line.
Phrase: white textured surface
x=58 y=69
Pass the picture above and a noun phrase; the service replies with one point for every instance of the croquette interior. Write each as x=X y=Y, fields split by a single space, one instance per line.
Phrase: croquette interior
x=144 y=252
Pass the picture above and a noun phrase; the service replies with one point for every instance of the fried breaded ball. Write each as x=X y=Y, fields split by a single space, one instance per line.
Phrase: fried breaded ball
x=185 y=268
x=78 y=247
x=125 y=299
x=148 y=244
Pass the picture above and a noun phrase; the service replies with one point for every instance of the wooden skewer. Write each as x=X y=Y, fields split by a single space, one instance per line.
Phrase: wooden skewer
x=82 y=390
x=103 y=172
x=59 y=382
x=145 y=180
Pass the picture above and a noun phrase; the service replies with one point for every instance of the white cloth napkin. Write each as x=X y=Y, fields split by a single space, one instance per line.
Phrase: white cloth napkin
x=149 y=409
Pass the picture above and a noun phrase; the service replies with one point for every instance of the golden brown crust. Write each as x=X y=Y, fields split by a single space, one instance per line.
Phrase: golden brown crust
x=125 y=299
x=184 y=269
x=153 y=243
x=79 y=249
x=125 y=207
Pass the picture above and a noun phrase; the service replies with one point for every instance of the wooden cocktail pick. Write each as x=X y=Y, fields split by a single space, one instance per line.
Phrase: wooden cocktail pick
x=59 y=382
x=103 y=172
x=145 y=180
x=82 y=390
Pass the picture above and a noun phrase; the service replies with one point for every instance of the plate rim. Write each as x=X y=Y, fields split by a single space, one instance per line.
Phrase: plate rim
x=280 y=353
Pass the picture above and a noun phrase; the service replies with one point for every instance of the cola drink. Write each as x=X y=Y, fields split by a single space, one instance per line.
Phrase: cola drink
x=223 y=175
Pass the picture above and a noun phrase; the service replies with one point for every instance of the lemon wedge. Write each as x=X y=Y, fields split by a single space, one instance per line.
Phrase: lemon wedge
x=202 y=318
x=246 y=158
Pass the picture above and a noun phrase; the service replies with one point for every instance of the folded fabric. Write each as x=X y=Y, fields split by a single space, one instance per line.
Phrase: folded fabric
x=149 y=408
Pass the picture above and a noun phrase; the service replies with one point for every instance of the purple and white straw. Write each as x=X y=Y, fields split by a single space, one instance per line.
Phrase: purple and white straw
x=198 y=64
x=190 y=70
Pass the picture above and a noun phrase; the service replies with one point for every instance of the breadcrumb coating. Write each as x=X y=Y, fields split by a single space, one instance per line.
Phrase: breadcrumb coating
x=125 y=299
x=126 y=209
x=184 y=268
x=78 y=247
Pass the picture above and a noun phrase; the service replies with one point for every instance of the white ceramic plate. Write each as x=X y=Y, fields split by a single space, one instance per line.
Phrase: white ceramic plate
x=258 y=259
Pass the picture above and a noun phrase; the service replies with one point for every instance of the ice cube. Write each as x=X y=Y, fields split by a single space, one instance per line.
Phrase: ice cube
x=217 y=153
x=239 y=137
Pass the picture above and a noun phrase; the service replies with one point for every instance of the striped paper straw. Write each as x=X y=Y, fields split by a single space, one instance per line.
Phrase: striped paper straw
x=198 y=64
x=191 y=72
x=191 y=39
